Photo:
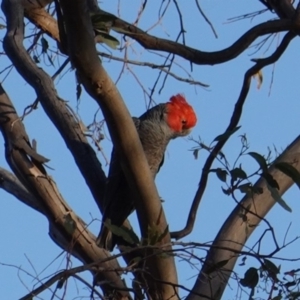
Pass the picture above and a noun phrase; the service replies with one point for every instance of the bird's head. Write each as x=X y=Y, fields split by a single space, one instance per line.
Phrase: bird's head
x=180 y=116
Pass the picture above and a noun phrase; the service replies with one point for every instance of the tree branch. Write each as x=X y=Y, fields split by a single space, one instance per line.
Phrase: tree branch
x=56 y=109
x=98 y=84
x=235 y=232
x=30 y=172
x=283 y=8
x=236 y=115
x=43 y=20
x=193 y=55
x=70 y=231
x=12 y=185
x=201 y=57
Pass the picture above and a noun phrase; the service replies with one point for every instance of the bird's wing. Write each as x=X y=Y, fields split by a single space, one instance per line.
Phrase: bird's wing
x=161 y=163
x=116 y=181
x=118 y=201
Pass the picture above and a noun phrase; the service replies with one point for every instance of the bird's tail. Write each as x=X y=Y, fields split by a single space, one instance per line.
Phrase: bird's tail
x=106 y=239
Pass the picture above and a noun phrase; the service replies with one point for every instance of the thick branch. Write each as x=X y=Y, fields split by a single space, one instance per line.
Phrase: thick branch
x=31 y=173
x=11 y=184
x=70 y=231
x=96 y=81
x=150 y=42
x=201 y=57
x=33 y=4
x=43 y=20
x=56 y=109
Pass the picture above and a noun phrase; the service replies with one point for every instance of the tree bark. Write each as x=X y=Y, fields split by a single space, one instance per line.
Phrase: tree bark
x=27 y=165
x=31 y=172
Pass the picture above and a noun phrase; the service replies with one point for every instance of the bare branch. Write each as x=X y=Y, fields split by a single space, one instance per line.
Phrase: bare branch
x=154 y=66
x=193 y=55
x=200 y=57
x=206 y=18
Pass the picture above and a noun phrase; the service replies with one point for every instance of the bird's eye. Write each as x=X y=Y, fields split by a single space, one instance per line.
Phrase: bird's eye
x=183 y=122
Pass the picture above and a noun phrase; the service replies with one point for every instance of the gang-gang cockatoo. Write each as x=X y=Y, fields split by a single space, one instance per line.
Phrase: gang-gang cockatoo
x=156 y=128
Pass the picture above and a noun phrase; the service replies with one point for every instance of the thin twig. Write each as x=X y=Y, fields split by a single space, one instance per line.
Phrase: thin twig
x=206 y=19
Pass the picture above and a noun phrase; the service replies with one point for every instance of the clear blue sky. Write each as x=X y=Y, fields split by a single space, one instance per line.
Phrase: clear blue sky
x=267 y=120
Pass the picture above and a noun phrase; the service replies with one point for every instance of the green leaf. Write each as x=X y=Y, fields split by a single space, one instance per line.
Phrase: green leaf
x=36 y=59
x=257 y=190
x=250 y=279
x=243 y=261
x=153 y=235
x=293 y=295
x=222 y=174
x=245 y=188
x=226 y=134
x=69 y=224
x=260 y=160
x=217 y=266
x=248 y=188
x=238 y=173
x=290 y=283
x=45 y=45
x=270 y=266
x=278 y=297
x=161 y=237
x=120 y=30
x=270 y=180
x=290 y=171
x=226 y=192
x=196 y=153
x=276 y=196
x=125 y=233
x=102 y=17
x=107 y=39
x=78 y=91
x=60 y=283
